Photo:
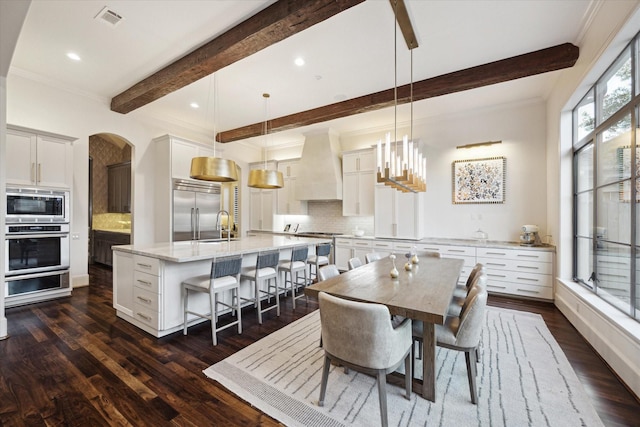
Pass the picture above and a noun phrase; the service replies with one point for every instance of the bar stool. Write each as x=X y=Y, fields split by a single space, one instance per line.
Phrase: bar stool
x=224 y=276
x=296 y=264
x=319 y=259
x=265 y=270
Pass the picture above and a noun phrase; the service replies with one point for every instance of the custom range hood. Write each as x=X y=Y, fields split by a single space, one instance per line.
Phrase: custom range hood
x=319 y=171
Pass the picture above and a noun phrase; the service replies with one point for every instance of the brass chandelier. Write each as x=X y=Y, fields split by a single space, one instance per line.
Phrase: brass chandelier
x=403 y=168
x=265 y=179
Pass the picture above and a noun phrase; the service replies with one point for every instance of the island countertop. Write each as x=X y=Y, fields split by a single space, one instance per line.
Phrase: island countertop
x=202 y=250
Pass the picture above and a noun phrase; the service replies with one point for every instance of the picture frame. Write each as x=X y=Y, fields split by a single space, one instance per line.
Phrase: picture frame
x=478 y=181
x=624 y=167
x=287 y=227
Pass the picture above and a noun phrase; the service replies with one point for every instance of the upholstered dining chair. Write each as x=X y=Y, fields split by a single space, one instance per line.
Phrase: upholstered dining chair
x=320 y=258
x=360 y=336
x=294 y=266
x=372 y=256
x=266 y=269
x=460 y=297
x=463 y=290
x=327 y=272
x=462 y=333
x=224 y=276
x=354 y=263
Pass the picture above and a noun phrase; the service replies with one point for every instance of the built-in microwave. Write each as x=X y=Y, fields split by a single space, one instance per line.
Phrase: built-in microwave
x=35 y=205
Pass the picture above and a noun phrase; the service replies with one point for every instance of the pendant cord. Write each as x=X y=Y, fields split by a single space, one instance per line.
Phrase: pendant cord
x=411 y=98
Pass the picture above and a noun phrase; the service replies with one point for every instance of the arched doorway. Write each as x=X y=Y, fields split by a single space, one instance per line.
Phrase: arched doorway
x=110 y=195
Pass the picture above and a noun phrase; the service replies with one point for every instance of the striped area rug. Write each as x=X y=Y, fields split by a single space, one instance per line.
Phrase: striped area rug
x=524 y=379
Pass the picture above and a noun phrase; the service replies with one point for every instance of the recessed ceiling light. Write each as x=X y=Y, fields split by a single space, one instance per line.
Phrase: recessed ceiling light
x=194 y=105
x=73 y=55
x=299 y=62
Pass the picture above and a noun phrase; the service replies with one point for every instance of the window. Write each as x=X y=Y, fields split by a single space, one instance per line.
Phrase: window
x=607 y=185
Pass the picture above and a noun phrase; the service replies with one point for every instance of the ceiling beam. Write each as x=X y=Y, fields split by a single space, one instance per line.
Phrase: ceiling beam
x=529 y=64
x=404 y=22
x=275 y=23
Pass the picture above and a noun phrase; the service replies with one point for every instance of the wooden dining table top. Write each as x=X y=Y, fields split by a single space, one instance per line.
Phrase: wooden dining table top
x=424 y=293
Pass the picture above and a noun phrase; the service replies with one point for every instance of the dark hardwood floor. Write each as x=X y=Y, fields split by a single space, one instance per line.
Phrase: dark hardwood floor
x=71 y=362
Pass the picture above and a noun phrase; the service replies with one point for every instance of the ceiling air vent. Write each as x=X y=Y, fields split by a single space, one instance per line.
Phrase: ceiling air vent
x=109 y=16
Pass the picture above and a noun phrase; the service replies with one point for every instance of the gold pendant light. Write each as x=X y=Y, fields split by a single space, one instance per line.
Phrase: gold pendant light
x=265 y=179
x=213 y=168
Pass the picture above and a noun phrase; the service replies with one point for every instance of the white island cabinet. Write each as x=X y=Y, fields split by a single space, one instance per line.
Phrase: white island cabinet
x=146 y=279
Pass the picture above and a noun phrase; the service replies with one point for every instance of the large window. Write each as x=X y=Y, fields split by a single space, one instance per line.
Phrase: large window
x=606 y=166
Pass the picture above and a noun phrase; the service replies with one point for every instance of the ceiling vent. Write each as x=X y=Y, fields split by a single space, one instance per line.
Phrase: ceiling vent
x=108 y=16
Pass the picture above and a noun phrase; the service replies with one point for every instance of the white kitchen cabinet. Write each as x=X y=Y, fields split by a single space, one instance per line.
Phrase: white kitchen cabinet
x=262 y=203
x=398 y=215
x=345 y=249
x=465 y=253
x=288 y=203
x=358 y=183
x=123 y=282
x=181 y=154
x=38 y=158
x=518 y=272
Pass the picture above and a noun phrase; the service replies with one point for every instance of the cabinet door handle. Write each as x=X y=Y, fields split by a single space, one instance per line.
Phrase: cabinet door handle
x=497 y=275
x=528 y=256
x=456 y=250
x=497 y=287
x=496 y=253
x=496 y=264
x=32 y=173
x=394 y=231
x=528 y=267
x=144 y=316
x=144 y=282
x=529 y=291
x=39 y=175
x=144 y=265
x=527 y=278
x=145 y=300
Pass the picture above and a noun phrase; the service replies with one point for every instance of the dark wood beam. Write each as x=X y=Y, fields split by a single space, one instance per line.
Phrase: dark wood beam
x=404 y=22
x=269 y=26
x=528 y=64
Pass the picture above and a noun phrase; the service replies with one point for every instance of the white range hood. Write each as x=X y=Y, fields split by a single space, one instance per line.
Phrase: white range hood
x=320 y=170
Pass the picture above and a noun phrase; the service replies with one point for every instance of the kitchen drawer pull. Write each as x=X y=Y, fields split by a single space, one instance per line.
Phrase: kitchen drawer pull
x=527 y=278
x=382 y=245
x=144 y=316
x=496 y=253
x=361 y=244
x=496 y=275
x=528 y=267
x=403 y=247
x=144 y=265
x=145 y=300
x=528 y=256
x=494 y=263
x=456 y=250
x=497 y=287
x=613 y=262
x=529 y=291
x=144 y=282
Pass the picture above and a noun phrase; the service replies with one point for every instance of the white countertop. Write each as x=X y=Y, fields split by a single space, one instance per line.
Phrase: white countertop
x=199 y=250
x=460 y=242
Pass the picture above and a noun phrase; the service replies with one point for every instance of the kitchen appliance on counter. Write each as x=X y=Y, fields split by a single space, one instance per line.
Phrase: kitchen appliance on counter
x=36 y=205
x=195 y=207
x=530 y=236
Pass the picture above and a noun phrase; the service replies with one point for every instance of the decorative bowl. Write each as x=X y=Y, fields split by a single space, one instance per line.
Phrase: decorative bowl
x=358 y=233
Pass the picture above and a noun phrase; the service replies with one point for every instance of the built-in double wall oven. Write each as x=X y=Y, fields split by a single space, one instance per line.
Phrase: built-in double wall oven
x=36 y=245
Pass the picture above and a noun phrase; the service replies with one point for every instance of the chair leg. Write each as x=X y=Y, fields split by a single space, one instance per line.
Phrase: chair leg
x=325 y=377
x=408 y=373
x=213 y=300
x=277 y=297
x=293 y=289
x=236 y=292
x=257 y=291
x=185 y=298
x=382 y=395
x=471 y=374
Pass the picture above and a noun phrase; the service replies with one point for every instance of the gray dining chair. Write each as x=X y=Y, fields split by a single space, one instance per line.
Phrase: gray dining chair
x=360 y=336
x=372 y=256
x=462 y=333
x=354 y=263
x=224 y=276
x=265 y=270
x=459 y=298
x=327 y=272
x=293 y=267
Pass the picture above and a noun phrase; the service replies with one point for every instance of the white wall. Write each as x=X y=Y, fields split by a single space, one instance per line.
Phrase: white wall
x=40 y=106
x=521 y=128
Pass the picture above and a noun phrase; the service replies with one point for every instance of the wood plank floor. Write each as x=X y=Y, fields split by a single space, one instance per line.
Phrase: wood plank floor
x=71 y=362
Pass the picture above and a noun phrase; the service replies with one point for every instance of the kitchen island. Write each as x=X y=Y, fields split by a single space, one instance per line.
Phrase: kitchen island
x=146 y=279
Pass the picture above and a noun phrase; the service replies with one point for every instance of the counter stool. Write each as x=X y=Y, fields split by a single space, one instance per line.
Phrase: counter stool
x=224 y=276
x=319 y=259
x=265 y=270
x=296 y=264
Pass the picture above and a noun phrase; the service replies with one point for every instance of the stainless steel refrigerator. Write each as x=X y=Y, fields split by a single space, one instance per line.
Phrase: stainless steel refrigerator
x=195 y=207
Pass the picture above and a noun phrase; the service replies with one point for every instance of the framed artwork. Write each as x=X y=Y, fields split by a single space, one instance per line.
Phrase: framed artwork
x=479 y=180
x=624 y=165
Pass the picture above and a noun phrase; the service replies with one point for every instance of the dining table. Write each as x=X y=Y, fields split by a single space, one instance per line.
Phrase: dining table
x=422 y=293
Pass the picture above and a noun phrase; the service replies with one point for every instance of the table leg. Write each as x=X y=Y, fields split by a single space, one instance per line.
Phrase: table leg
x=429 y=361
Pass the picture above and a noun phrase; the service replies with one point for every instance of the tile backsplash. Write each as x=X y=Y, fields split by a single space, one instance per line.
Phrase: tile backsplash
x=327 y=216
x=111 y=221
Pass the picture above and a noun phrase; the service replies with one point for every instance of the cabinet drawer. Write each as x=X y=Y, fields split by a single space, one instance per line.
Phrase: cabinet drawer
x=145 y=298
x=145 y=315
x=403 y=246
x=343 y=242
x=516 y=265
x=146 y=281
x=526 y=255
x=542 y=292
x=529 y=279
x=146 y=264
x=383 y=245
x=356 y=243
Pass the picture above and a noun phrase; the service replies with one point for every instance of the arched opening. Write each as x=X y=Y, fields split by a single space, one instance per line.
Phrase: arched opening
x=110 y=195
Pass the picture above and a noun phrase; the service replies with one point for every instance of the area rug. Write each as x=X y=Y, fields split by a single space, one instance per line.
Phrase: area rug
x=524 y=379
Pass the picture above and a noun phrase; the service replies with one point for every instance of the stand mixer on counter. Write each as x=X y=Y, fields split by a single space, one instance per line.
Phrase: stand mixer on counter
x=530 y=236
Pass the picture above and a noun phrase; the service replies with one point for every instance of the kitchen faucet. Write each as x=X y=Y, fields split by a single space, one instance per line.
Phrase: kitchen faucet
x=219 y=224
